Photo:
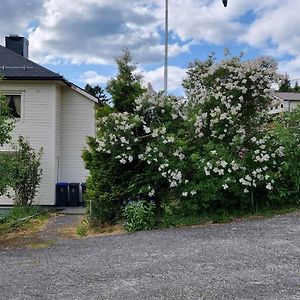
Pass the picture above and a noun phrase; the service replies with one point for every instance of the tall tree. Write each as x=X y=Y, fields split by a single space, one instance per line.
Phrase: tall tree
x=127 y=86
x=297 y=87
x=285 y=86
x=98 y=92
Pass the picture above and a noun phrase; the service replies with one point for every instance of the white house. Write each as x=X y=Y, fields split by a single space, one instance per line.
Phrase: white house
x=284 y=102
x=51 y=113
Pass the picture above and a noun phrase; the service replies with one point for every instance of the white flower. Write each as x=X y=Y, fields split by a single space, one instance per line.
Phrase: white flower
x=173 y=184
x=123 y=161
x=193 y=192
x=215 y=170
x=147 y=129
x=170 y=139
x=225 y=186
x=207 y=172
x=151 y=193
x=184 y=194
x=223 y=163
x=155 y=133
x=141 y=157
x=269 y=186
x=163 y=130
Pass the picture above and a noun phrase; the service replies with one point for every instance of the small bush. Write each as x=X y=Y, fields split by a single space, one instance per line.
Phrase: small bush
x=26 y=172
x=139 y=215
x=81 y=230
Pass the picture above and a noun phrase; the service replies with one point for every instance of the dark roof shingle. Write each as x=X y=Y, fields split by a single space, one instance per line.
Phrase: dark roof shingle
x=15 y=66
x=288 y=96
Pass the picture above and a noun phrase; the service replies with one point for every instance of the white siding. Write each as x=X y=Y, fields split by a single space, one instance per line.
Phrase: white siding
x=78 y=122
x=38 y=126
x=58 y=136
x=294 y=104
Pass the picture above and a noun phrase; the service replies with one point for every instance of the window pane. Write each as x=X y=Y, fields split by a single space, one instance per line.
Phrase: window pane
x=14 y=104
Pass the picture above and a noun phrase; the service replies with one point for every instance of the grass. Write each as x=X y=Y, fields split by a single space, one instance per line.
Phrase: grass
x=22 y=218
x=174 y=220
x=84 y=229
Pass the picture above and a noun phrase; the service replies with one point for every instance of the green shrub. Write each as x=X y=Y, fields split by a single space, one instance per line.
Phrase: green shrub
x=6 y=126
x=82 y=230
x=210 y=152
x=139 y=215
x=287 y=134
x=25 y=172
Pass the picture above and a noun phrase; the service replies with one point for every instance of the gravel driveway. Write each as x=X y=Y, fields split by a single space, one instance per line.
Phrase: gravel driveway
x=257 y=259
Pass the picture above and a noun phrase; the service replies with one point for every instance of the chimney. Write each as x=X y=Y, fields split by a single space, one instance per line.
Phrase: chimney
x=18 y=44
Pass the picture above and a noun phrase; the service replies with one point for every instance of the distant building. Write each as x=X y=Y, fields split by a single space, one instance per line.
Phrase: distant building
x=284 y=102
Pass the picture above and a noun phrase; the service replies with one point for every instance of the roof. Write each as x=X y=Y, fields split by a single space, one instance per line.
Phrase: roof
x=288 y=96
x=17 y=67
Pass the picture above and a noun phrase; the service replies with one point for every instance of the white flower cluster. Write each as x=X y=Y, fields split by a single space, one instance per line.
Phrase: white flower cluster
x=220 y=167
x=124 y=158
x=251 y=78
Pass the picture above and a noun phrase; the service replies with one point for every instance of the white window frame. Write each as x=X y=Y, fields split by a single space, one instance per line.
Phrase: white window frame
x=17 y=93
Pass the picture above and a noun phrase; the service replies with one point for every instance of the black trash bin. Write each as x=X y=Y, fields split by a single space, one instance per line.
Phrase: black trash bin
x=62 y=194
x=74 y=194
x=83 y=189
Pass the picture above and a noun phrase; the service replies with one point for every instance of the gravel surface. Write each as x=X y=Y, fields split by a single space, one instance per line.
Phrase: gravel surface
x=257 y=259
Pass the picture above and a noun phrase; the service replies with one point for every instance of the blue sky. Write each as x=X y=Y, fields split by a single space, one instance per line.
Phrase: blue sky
x=80 y=38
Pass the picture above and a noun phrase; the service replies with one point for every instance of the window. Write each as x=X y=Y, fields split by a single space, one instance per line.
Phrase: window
x=15 y=101
x=14 y=104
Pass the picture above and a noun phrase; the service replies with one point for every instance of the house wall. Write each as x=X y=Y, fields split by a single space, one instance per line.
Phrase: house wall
x=58 y=133
x=78 y=122
x=294 y=104
x=38 y=126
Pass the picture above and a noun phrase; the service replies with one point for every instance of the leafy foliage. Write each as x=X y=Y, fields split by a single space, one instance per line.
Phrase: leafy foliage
x=210 y=151
x=25 y=172
x=286 y=86
x=98 y=92
x=287 y=132
x=6 y=122
x=6 y=126
x=126 y=87
x=139 y=215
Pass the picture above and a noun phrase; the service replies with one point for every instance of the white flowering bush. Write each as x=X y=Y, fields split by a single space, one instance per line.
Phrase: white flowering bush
x=212 y=149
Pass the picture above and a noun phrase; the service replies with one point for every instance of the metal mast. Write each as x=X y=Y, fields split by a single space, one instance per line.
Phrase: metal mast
x=166 y=48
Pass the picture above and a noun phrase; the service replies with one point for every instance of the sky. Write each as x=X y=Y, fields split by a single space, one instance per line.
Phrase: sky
x=80 y=39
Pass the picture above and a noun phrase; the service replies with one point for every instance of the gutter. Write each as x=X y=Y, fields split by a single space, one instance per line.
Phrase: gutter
x=58 y=78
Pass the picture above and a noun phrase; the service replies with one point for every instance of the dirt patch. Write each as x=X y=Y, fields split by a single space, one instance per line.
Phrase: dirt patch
x=26 y=235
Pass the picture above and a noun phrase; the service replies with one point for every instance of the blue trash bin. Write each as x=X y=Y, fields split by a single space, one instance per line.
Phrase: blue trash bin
x=62 y=194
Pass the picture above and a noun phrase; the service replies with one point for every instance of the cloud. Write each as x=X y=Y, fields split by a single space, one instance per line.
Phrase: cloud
x=95 y=31
x=276 y=28
x=156 y=78
x=74 y=32
x=94 y=78
x=291 y=67
x=16 y=16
